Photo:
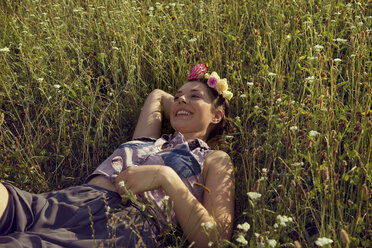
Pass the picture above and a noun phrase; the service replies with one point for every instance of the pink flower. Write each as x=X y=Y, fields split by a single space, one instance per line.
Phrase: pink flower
x=197 y=72
x=212 y=82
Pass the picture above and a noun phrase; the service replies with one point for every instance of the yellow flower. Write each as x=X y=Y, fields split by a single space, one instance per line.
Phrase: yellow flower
x=227 y=94
x=221 y=85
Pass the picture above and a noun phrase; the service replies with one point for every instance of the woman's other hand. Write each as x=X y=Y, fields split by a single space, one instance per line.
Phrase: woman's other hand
x=138 y=179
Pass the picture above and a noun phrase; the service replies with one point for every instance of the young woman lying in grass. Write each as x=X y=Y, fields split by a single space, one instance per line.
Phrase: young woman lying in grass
x=145 y=185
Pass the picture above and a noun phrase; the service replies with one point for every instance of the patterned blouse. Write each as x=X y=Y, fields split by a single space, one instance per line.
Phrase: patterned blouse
x=186 y=158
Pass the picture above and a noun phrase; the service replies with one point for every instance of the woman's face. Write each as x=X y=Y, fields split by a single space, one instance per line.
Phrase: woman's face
x=192 y=111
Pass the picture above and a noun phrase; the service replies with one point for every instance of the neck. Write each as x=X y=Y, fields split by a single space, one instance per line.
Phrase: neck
x=192 y=136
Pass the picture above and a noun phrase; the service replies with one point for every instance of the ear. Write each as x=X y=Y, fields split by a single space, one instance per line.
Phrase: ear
x=218 y=115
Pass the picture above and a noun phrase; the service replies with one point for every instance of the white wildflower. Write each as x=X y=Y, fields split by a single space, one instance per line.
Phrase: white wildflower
x=338 y=13
x=337 y=60
x=57 y=86
x=256 y=107
x=271 y=242
x=208 y=225
x=313 y=133
x=121 y=184
x=254 y=195
x=276 y=225
x=237 y=119
x=318 y=48
x=245 y=226
x=352 y=55
x=241 y=240
x=250 y=83
x=360 y=24
x=271 y=74
x=151 y=8
x=172 y=4
x=289 y=37
x=40 y=80
x=229 y=136
x=5 y=50
x=293 y=128
x=210 y=243
x=192 y=40
x=310 y=79
x=243 y=96
x=339 y=40
x=283 y=219
x=264 y=170
x=323 y=241
x=278 y=100
x=297 y=164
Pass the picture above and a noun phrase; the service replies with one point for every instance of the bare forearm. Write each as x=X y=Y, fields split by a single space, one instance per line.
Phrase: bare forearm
x=150 y=120
x=189 y=211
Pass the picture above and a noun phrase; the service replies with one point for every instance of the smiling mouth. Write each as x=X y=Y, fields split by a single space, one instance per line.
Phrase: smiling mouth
x=183 y=113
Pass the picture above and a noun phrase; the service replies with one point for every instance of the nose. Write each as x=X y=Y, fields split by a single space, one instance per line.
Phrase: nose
x=181 y=99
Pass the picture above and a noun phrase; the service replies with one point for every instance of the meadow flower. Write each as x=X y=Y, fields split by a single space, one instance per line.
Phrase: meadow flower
x=278 y=100
x=318 y=48
x=283 y=219
x=207 y=225
x=40 y=80
x=192 y=40
x=151 y=8
x=256 y=107
x=297 y=164
x=310 y=79
x=254 y=195
x=121 y=184
x=5 y=50
x=243 y=96
x=293 y=128
x=337 y=60
x=241 y=240
x=271 y=242
x=271 y=74
x=313 y=133
x=323 y=241
x=339 y=40
x=57 y=86
x=245 y=226
x=250 y=83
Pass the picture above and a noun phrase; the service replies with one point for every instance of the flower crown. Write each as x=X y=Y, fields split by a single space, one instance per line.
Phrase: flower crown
x=214 y=81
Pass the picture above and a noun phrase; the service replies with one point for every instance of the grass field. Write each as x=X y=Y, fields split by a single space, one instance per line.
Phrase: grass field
x=74 y=74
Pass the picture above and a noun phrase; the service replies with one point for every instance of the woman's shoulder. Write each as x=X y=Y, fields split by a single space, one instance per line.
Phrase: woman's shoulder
x=217 y=158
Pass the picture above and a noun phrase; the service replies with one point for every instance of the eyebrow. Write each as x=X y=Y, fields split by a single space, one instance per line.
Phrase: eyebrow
x=180 y=91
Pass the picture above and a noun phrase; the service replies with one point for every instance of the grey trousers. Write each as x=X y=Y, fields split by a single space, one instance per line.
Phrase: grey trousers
x=80 y=216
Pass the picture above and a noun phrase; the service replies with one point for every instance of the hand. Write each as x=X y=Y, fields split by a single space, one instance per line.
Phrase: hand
x=138 y=179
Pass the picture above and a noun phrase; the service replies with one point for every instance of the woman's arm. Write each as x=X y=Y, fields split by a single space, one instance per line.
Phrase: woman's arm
x=218 y=203
x=150 y=119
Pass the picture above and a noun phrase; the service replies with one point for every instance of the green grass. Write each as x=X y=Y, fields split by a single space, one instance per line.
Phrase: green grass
x=74 y=74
